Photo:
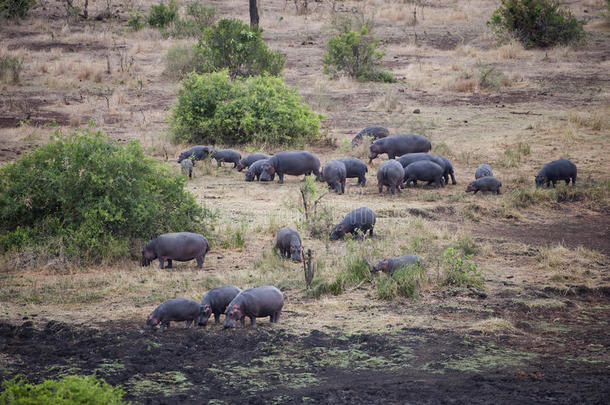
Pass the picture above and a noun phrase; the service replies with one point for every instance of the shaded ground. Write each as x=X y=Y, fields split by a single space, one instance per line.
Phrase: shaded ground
x=271 y=365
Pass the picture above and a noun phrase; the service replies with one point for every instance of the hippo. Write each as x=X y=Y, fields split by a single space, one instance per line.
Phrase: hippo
x=375 y=132
x=187 y=167
x=334 y=173
x=288 y=243
x=255 y=170
x=398 y=145
x=424 y=170
x=226 y=155
x=390 y=174
x=483 y=170
x=176 y=310
x=561 y=169
x=215 y=302
x=486 y=183
x=447 y=167
x=390 y=265
x=248 y=160
x=355 y=168
x=181 y=246
x=408 y=158
x=255 y=303
x=359 y=220
x=292 y=163
x=196 y=153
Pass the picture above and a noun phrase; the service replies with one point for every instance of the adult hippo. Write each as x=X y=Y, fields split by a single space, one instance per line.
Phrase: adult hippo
x=226 y=155
x=359 y=220
x=181 y=246
x=390 y=174
x=196 y=153
x=255 y=303
x=215 y=302
x=424 y=170
x=561 y=169
x=355 y=168
x=398 y=145
x=292 y=163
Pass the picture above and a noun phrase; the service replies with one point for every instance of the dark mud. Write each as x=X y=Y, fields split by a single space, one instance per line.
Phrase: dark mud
x=271 y=365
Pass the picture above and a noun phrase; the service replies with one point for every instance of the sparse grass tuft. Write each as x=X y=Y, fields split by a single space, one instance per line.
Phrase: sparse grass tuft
x=406 y=281
x=10 y=69
x=460 y=271
x=513 y=154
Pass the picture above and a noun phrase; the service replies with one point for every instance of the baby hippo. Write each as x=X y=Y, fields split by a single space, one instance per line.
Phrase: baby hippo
x=483 y=170
x=288 y=244
x=561 y=169
x=176 y=310
x=390 y=265
x=248 y=160
x=359 y=220
x=334 y=173
x=255 y=170
x=226 y=155
x=215 y=302
x=390 y=174
x=255 y=303
x=485 y=184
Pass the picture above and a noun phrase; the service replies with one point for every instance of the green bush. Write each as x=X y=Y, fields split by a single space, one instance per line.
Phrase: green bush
x=212 y=108
x=70 y=390
x=355 y=54
x=15 y=8
x=88 y=200
x=10 y=68
x=161 y=15
x=460 y=271
x=406 y=282
x=198 y=18
x=240 y=48
x=182 y=60
x=536 y=23
x=135 y=22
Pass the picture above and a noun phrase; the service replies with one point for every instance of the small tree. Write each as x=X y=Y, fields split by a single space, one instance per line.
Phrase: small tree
x=356 y=54
x=161 y=15
x=536 y=23
x=15 y=8
x=240 y=48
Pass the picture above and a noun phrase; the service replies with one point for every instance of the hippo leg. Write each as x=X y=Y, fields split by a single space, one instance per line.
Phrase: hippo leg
x=200 y=260
x=164 y=325
x=161 y=262
x=281 y=176
x=188 y=323
x=243 y=321
x=275 y=317
x=370 y=231
x=343 y=187
x=234 y=165
x=361 y=181
x=169 y=263
x=392 y=189
x=453 y=179
x=253 y=322
x=475 y=191
x=380 y=188
x=498 y=191
x=219 y=161
x=216 y=318
x=554 y=183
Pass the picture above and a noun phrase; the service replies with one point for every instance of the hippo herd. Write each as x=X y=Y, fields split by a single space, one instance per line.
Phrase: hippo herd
x=409 y=161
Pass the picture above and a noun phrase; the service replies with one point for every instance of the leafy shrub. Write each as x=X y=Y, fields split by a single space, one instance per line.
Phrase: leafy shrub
x=460 y=271
x=261 y=109
x=182 y=60
x=240 y=48
x=15 y=8
x=136 y=21
x=404 y=282
x=70 y=390
x=198 y=18
x=89 y=200
x=536 y=23
x=318 y=218
x=490 y=78
x=10 y=68
x=355 y=53
x=161 y=15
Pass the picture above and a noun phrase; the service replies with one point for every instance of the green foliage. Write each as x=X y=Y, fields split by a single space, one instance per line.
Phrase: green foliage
x=15 y=8
x=490 y=78
x=135 y=22
x=10 y=68
x=198 y=18
x=318 y=220
x=89 y=200
x=239 y=48
x=182 y=60
x=212 y=108
x=355 y=53
x=70 y=390
x=406 y=282
x=536 y=23
x=161 y=15
x=460 y=271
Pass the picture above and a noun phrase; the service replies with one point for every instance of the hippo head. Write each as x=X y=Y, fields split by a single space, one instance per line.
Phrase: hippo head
x=151 y=321
x=296 y=252
x=267 y=172
x=338 y=232
x=375 y=150
x=540 y=180
x=147 y=256
x=381 y=265
x=233 y=314
x=206 y=311
x=240 y=166
x=249 y=176
x=471 y=187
